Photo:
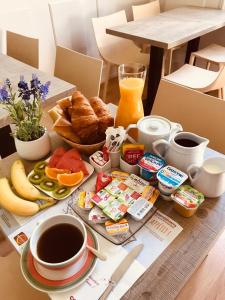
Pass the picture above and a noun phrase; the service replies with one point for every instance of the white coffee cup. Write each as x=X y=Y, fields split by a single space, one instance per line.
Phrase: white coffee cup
x=45 y=225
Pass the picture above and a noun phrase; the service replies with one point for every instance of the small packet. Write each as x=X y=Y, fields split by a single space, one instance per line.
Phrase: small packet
x=150 y=193
x=115 y=138
x=132 y=153
x=139 y=209
x=136 y=183
x=85 y=200
x=102 y=181
x=98 y=158
x=97 y=216
x=115 y=208
x=119 y=228
x=102 y=198
x=119 y=175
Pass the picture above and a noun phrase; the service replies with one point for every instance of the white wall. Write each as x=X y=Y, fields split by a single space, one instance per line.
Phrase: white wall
x=31 y=17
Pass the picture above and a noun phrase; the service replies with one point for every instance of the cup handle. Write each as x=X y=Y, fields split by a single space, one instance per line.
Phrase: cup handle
x=193 y=172
x=175 y=127
x=160 y=147
x=131 y=126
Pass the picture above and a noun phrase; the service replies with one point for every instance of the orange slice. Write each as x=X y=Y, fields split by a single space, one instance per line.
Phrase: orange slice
x=70 y=179
x=53 y=172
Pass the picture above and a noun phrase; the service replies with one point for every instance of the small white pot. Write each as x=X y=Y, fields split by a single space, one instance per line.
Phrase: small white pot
x=34 y=150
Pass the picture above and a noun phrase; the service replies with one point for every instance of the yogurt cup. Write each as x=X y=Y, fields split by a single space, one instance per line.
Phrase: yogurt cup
x=170 y=179
x=150 y=164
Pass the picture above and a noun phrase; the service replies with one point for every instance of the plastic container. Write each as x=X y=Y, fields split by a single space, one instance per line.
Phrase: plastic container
x=187 y=200
x=170 y=179
x=115 y=159
x=150 y=164
x=96 y=166
x=131 y=169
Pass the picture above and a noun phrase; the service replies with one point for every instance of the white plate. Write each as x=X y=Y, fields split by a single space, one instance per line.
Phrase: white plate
x=90 y=170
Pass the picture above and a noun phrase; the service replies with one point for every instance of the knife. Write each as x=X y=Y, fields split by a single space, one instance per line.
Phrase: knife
x=121 y=269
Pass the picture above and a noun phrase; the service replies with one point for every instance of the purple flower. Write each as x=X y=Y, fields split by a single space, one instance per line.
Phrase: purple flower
x=35 y=82
x=22 y=84
x=4 y=96
x=44 y=89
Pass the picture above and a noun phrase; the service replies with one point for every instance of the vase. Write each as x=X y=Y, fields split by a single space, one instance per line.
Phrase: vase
x=33 y=150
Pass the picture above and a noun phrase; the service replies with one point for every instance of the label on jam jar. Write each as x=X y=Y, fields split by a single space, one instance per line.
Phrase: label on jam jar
x=188 y=196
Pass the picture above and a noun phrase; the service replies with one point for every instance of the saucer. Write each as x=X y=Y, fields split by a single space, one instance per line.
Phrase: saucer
x=77 y=275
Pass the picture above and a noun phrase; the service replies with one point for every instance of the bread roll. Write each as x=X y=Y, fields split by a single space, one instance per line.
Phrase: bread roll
x=83 y=118
x=105 y=118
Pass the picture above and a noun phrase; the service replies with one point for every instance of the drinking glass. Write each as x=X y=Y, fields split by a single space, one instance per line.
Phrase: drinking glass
x=131 y=83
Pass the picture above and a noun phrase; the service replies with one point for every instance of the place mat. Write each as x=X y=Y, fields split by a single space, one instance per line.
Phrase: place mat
x=134 y=226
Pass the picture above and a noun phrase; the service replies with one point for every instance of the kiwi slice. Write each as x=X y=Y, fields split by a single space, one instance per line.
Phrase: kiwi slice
x=61 y=192
x=48 y=184
x=36 y=178
x=40 y=167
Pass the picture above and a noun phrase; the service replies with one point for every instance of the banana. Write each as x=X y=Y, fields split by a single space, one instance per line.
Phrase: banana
x=13 y=203
x=23 y=186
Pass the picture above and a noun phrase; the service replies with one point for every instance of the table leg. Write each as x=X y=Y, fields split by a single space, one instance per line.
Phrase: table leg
x=154 y=76
x=7 y=145
x=191 y=47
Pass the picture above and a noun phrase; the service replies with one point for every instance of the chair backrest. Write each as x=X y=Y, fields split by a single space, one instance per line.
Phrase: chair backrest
x=195 y=111
x=109 y=45
x=79 y=69
x=146 y=10
x=23 y=48
x=219 y=82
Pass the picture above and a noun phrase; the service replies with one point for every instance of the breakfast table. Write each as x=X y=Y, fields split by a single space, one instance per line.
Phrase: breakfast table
x=13 y=69
x=167 y=30
x=170 y=271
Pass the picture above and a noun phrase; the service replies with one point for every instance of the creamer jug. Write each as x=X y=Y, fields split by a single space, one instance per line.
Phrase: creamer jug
x=210 y=177
x=183 y=150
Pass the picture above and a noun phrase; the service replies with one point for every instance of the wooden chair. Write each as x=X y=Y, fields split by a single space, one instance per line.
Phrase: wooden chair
x=149 y=10
x=146 y=10
x=12 y=284
x=211 y=54
x=79 y=69
x=23 y=48
x=199 y=79
x=115 y=50
x=196 y=112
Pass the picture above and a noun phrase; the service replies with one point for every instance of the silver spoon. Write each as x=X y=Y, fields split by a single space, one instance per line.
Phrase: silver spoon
x=97 y=253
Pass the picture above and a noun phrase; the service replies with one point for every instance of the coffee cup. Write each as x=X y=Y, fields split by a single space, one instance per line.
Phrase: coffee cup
x=58 y=242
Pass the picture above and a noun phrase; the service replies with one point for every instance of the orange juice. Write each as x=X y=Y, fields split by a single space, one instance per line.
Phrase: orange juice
x=130 y=108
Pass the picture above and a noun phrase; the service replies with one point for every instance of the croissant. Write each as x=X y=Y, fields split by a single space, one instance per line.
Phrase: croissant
x=105 y=118
x=83 y=118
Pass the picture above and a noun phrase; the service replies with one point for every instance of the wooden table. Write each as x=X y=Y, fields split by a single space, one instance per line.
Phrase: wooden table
x=168 y=274
x=168 y=30
x=12 y=69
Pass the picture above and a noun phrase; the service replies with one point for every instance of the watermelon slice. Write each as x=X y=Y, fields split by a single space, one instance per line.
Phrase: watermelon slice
x=56 y=156
x=72 y=161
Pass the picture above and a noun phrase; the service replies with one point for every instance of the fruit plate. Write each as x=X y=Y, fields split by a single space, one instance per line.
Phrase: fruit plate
x=90 y=170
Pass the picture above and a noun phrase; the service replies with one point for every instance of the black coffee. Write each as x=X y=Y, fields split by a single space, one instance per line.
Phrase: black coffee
x=186 y=143
x=59 y=243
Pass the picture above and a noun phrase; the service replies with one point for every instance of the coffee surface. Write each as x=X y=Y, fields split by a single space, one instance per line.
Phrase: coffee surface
x=186 y=142
x=59 y=243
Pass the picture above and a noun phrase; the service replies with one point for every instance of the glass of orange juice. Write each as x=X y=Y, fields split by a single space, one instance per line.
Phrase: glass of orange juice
x=131 y=82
